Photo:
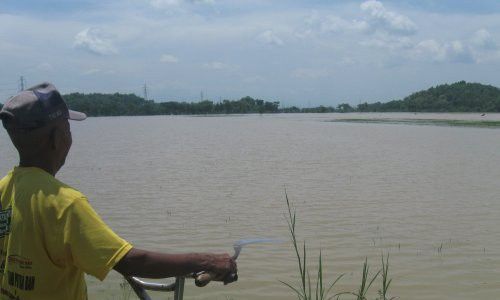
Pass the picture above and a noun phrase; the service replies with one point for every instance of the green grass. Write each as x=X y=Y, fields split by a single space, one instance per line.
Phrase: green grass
x=386 y=281
x=306 y=291
x=316 y=290
x=433 y=122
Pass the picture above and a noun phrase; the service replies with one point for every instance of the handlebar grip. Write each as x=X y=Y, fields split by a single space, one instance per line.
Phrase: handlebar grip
x=204 y=278
x=231 y=278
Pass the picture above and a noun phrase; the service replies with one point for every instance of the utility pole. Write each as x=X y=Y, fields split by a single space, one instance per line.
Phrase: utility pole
x=22 y=83
x=145 y=90
x=201 y=96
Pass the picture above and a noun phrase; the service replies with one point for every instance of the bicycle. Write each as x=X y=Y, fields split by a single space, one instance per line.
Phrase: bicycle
x=141 y=287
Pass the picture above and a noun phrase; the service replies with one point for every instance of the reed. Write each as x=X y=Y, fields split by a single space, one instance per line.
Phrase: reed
x=317 y=290
x=365 y=282
x=306 y=290
x=386 y=281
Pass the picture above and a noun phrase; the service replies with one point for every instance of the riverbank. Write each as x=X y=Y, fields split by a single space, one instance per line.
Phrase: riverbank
x=433 y=122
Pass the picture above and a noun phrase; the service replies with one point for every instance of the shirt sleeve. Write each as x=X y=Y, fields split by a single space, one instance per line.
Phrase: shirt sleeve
x=90 y=244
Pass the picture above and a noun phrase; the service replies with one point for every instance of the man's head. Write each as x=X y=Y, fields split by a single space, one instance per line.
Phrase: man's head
x=37 y=122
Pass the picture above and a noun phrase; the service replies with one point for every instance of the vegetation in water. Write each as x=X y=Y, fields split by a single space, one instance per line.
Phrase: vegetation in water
x=306 y=291
x=459 y=123
x=316 y=289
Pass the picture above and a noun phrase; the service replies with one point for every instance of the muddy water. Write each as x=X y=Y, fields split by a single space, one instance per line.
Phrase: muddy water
x=427 y=195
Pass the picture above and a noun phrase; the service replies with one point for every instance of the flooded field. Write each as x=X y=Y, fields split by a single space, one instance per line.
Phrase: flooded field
x=428 y=195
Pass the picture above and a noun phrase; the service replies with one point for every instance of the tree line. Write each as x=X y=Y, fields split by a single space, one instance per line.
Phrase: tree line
x=130 y=104
x=457 y=97
x=97 y=104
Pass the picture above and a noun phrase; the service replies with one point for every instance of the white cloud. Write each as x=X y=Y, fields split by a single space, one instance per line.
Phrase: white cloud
x=483 y=39
x=203 y=1
x=94 y=41
x=98 y=71
x=270 y=38
x=216 y=65
x=386 y=41
x=328 y=24
x=333 y=24
x=173 y=3
x=386 y=28
x=459 y=52
x=165 y=3
x=346 y=61
x=382 y=19
x=45 y=67
x=254 y=79
x=41 y=68
x=91 y=71
x=431 y=50
x=168 y=58
x=310 y=73
x=336 y=24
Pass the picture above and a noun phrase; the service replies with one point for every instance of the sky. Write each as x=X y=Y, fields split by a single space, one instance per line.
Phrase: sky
x=303 y=53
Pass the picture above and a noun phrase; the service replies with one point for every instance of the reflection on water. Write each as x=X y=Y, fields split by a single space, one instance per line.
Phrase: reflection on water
x=428 y=195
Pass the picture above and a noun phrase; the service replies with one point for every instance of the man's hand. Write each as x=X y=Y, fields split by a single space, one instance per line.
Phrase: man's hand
x=220 y=267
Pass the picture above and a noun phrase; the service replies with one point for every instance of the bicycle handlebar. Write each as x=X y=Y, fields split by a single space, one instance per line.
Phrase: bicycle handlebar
x=150 y=286
x=139 y=286
x=201 y=279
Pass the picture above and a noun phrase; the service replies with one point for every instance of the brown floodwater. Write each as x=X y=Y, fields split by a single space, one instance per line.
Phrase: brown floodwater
x=428 y=195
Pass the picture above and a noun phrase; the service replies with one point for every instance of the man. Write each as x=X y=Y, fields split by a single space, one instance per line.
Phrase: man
x=49 y=234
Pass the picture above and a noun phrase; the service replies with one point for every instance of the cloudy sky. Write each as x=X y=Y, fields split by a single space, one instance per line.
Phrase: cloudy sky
x=307 y=52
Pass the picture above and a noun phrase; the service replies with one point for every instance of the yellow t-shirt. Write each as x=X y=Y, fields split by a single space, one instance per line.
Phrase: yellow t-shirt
x=49 y=237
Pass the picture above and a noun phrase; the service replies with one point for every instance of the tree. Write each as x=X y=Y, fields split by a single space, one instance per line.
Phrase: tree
x=344 y=108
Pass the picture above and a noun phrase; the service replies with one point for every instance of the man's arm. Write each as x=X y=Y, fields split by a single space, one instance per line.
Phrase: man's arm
x=148 y=264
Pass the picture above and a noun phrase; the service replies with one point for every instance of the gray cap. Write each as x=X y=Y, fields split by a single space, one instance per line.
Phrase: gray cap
x=36 y=107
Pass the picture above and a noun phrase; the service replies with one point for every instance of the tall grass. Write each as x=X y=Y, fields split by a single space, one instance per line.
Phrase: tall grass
x=386 y=281
x=365 y=282
x=317 y=290
x=306 y=289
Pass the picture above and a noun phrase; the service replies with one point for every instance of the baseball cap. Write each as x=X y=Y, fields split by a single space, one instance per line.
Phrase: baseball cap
x=36 y=107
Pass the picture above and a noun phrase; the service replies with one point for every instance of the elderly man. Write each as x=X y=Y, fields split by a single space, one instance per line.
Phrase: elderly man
x=49 y=234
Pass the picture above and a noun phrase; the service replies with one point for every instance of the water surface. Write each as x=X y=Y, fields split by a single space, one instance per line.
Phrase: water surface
x=427 y=195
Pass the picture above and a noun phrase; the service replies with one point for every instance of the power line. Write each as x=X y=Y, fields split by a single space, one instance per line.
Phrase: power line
x=22 y=83
x=145 y=91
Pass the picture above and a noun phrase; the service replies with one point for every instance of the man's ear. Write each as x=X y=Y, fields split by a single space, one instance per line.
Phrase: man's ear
x=55 y=137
